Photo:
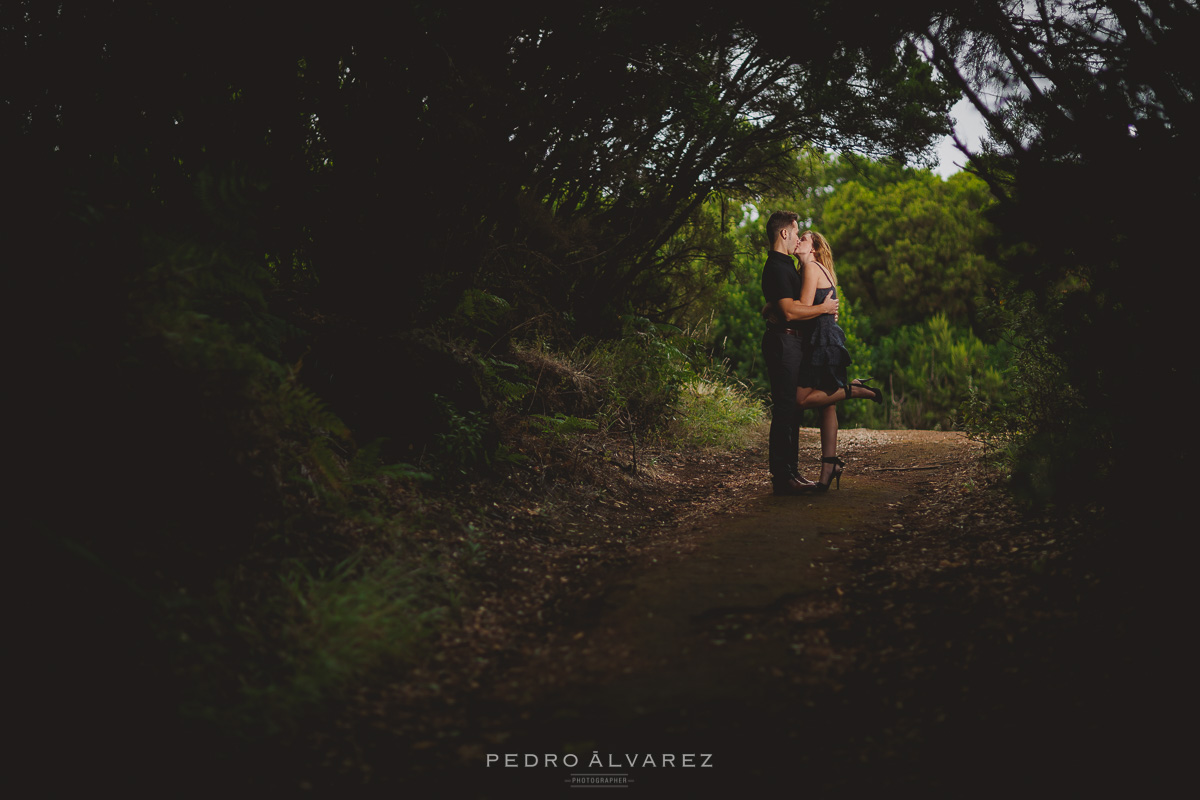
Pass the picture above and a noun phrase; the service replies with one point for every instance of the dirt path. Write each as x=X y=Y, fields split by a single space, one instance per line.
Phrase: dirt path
x=660 y=635
x=686 y=654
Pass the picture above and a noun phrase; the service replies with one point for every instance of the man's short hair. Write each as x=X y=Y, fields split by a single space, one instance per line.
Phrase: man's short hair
x=778 y=221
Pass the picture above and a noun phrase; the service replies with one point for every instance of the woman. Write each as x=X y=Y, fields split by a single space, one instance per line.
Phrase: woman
x=822 y=378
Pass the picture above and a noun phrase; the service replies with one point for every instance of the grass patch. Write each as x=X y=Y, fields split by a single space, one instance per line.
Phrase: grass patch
x=310 y=638
x=710 y=413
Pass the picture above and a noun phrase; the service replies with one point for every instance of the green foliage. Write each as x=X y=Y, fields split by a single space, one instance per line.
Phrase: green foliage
x=366 y=467
x=913 y=246
x=713 y=413
x=480 y=308
x=654 y=381
x=466 y=441
x=564 y=431
x=694 y=265
x=310 y=638
x=642 y=373
x=461 y=445
x=737 y=329
x=506 y=393
x=929 y=370
x=561 y=426
x=336 y=625
x=1040 y=414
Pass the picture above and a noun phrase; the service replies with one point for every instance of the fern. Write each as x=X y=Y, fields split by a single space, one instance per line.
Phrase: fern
x=562 y=425
x=303 y=410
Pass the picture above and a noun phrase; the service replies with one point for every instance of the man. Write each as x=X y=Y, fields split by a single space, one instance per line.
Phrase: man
x=782 y=350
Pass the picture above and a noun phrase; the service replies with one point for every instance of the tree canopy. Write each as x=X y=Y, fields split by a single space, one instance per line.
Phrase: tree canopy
x=1092 y=114
x=400 y=157
x=913 y=247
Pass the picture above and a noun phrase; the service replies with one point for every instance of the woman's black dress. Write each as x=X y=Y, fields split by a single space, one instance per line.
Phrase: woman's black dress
x=825 y=355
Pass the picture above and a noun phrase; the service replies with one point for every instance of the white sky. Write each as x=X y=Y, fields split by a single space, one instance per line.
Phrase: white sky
x=969 y=126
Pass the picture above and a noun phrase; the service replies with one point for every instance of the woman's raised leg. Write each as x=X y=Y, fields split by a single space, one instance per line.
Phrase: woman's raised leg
x=816 y=398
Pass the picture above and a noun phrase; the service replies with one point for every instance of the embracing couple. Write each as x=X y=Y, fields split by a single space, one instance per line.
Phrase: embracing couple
x=805 y=351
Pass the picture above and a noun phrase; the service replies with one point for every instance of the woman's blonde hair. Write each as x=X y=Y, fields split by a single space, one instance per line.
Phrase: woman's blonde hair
x=823 y=253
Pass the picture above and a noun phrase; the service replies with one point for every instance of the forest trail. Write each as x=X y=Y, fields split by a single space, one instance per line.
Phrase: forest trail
x=685 y=653
x=665 y=634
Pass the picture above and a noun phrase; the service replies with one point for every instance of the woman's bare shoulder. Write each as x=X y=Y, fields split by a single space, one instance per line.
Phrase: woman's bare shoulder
x=823 y=277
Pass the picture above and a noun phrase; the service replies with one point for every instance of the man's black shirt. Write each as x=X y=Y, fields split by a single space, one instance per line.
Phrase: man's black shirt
x=780 y=279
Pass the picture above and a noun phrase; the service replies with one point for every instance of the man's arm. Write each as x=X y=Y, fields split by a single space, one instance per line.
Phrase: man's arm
x=792 y=310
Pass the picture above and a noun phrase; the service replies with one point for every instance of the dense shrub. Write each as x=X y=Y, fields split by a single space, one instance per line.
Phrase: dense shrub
x=930 y=369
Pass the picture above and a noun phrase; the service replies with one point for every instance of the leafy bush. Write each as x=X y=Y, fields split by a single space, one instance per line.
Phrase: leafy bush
x=737 y=329
x=910 y=245
x=643 y=373
x=1040 y=427
x=930 y=369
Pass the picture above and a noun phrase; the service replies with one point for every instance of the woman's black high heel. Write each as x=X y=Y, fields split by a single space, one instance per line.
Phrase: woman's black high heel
x=835 y=475
x=876 y=394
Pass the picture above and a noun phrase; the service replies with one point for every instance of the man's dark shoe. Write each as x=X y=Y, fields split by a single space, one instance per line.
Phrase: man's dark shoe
x=793 y=486
x=802 y=480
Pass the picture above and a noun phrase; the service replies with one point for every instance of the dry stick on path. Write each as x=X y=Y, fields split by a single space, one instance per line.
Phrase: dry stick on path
x=903 y=469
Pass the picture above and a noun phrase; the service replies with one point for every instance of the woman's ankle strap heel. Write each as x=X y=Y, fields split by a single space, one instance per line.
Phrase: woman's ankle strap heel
x=836 y=475
x=876 y=394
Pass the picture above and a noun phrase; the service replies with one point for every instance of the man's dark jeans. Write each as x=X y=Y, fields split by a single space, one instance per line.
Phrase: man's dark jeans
x=782 y=354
